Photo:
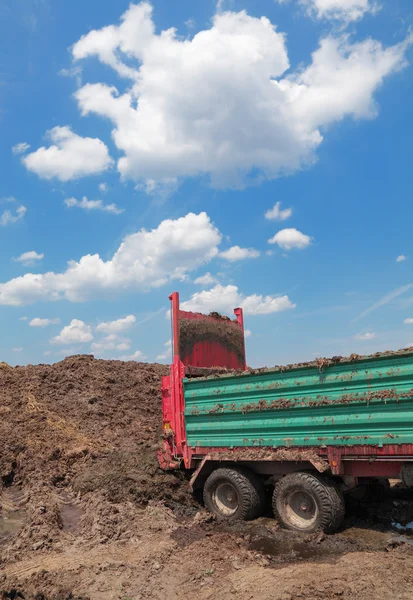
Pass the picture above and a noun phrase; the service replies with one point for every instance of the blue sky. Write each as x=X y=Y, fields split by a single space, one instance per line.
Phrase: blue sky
x=139 y=158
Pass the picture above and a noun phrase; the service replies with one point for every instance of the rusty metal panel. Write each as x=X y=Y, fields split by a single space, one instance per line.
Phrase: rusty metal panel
x=368 y=401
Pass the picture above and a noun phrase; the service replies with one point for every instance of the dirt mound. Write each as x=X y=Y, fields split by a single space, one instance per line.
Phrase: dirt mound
x=76 y=428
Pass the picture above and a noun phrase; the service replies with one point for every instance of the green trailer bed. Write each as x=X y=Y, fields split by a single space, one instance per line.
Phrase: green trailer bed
x=366 y=400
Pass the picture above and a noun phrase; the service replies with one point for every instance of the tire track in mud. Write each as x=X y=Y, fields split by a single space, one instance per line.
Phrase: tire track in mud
x=131 y=555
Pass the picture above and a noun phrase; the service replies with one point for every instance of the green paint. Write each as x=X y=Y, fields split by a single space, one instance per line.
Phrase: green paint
x=369 y=401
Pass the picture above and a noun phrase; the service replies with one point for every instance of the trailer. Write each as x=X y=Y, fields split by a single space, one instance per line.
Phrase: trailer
x=312 y=432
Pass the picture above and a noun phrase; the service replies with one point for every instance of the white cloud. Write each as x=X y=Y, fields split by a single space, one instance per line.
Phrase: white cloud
x=118 y=325
x=190 y=23
x=247 y=333
x=37 y=322
x=69 y=157
x=8 y=217
x=137 y=355
x=75 y=72
x=23 y=318
x=17 y=349
x=225 y=298
x=344 y=10
x=69 y=351
x=386 y=300
x=206 y=279
x=29 y=258
x=166 y=355
x=401 y=258
x=236 y=253
x=368 y=335
x=20 y=148
x=144 y=260
x=93 y=205
x=103 y=187
x=75 y=333
x=408 y=321
x=276 y=214
x=111 y=342
x=220 y=103
x=125 y=345
x=290 y=238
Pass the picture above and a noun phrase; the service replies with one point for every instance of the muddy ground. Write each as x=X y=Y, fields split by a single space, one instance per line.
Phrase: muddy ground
x=86 y=514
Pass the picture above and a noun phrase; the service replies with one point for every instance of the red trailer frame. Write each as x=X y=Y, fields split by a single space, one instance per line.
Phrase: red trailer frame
x=204 y=357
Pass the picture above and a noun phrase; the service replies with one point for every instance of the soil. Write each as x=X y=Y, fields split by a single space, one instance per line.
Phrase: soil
x=86 y=514
x=222 y=331
x=319 y=363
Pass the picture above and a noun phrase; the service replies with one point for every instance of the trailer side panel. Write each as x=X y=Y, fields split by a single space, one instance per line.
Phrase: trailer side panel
x=365 y=402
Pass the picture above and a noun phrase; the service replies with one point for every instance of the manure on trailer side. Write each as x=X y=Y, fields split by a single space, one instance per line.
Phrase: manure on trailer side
x=313 y=431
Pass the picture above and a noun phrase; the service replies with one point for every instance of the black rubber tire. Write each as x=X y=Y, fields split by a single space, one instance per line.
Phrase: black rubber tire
x=375 y=490
x=249 y=488
x=328 y=501
x=379 y=490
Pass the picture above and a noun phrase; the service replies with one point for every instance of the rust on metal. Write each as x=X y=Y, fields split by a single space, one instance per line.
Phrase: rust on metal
x=268 y=454
x=305 y=401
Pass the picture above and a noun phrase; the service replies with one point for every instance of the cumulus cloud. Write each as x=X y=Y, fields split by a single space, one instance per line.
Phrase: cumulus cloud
x=368 y=335
x=103 y=187
x=20 y=148
x=118 y=325
x=17 y=349
x=344 y=10
x=93 y=205
x=206 y=279
x=236 y=253
x=111 y=342
x=247 y=333
x=408 y=321
x=221 y=103
x=9 y=217
x=75 y=333
x=288 y=239
x=29 y=258
x=69 y=157
x=137 y=355
x=37 y=322
x=276 y=214
x=144 y=260
x=68 y=351
x=225 y=298
x=166 y=355
x=401 y=258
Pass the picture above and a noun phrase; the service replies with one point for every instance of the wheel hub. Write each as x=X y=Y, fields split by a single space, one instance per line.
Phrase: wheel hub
x=225 y=498
x=301 y=508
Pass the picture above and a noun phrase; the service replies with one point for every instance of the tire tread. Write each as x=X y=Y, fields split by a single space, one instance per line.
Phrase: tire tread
x=249 y=485
x=330 y=498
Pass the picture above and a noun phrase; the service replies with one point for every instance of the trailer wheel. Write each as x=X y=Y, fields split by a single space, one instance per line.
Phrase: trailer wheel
x=376 y=490
x=307 y=502
x=234 y=494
